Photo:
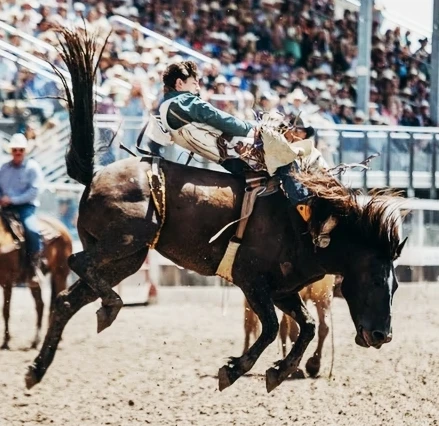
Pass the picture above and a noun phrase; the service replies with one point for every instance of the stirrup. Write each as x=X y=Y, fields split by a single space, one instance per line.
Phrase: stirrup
x=304 y=211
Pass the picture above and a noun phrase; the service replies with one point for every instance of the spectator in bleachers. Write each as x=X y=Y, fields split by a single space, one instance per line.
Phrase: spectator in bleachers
x=302 y=44
x=134 y=106
x=408 y=117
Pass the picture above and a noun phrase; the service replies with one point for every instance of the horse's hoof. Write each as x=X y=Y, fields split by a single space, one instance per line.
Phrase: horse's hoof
x=298 y=374
x=5 y=347
x=313 y=366
x=107 y=314
x=277 y=363
x=223 y=378
x=272 y=379
x=31 y=377
x=34 y=345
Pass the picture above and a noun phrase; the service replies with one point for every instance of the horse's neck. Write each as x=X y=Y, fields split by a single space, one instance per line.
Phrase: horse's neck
x=308 y=263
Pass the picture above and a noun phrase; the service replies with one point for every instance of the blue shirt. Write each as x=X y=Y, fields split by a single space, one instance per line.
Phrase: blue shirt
x=21 y=183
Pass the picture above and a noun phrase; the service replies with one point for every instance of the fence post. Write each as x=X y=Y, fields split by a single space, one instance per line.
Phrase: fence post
x=433 y=167
x=434 y=69
x=410 y=188
x=388 y=165
x=366 y=152
x=364 y=60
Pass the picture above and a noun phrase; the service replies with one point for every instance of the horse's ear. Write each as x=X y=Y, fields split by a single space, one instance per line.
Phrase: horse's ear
x=399 y=248
x=328 y=225
x=322 y=239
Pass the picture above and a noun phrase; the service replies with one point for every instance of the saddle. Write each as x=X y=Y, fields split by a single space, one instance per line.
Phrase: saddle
x=15 y=227
x=257 y=186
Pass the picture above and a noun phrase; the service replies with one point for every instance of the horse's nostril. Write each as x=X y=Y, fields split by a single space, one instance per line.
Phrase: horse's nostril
x=378 y=336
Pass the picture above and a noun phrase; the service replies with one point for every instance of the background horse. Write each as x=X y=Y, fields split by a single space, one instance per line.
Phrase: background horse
x=130 y=205
x=320 y=294
x=57 y=251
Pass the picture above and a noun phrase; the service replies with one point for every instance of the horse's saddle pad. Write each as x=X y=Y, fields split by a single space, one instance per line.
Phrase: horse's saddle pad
x=48 y=233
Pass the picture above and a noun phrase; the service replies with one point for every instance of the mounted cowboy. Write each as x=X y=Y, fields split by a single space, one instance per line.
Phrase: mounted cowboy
x=21 y=180
x=239 y=146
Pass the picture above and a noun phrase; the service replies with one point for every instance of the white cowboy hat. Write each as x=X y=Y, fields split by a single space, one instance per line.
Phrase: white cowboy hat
x=118 y=71
x=297 y=94
x=147 y=58
x=133 y=58
x=221 y=79
x=250 y=37
x=17 y=141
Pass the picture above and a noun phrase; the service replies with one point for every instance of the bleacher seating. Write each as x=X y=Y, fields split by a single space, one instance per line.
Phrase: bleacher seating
x=284 y=54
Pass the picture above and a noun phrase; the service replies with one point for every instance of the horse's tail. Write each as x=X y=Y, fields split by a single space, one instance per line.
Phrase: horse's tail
x=78 y=53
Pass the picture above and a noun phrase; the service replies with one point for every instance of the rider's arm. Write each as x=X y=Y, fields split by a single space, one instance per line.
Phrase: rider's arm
x=35 y=177
x=200 y=111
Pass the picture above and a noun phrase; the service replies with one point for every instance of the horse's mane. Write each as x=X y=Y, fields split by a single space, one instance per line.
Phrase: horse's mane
x=373 y=220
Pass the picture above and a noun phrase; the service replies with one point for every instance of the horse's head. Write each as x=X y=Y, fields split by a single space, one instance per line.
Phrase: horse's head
x=368 y=287
x=364 y=243
x=369 y=276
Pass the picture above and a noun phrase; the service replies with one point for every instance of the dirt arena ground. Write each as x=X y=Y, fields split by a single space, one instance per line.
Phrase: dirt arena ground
x=157 y=365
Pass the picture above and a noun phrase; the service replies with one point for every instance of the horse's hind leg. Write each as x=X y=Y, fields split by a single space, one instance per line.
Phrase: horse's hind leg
x=7 y=293
x=90 y=263
x=86 y=266
x=67 y=304
x=294 y=307
x=39 y=305
x=71 y=301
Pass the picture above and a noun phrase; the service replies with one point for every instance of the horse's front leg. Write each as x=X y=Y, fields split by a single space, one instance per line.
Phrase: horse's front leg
x=313 y=364
x=294 y=307
x=259 y=300
x=39 y=306
x=7 y=293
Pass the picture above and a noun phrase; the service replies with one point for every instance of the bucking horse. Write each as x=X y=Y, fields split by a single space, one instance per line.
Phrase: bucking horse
x=134 y=204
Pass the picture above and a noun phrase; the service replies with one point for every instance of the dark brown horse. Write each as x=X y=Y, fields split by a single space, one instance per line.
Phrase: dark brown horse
x=277 y=258
x=56 y=252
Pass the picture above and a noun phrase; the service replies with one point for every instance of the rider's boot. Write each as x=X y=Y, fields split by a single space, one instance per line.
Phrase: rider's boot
x=300 y=197
x=297 y=193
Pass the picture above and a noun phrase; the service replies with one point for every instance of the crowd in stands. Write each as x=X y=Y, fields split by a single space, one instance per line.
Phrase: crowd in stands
x=284 y=54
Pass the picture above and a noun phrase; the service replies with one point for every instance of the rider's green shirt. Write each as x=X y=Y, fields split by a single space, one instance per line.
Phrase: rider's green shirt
x=194 y=110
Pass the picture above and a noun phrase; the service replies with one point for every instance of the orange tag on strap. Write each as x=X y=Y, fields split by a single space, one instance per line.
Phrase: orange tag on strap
x=304 y=211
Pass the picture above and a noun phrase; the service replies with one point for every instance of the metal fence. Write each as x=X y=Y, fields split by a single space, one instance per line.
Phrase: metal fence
x=408 y=155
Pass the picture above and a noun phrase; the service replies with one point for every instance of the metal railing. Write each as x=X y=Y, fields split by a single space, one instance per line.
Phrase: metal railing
x=408 y=155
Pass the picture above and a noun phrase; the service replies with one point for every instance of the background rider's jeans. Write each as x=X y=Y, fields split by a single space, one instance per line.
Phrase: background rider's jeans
x=295 y=191
x=26 y=213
